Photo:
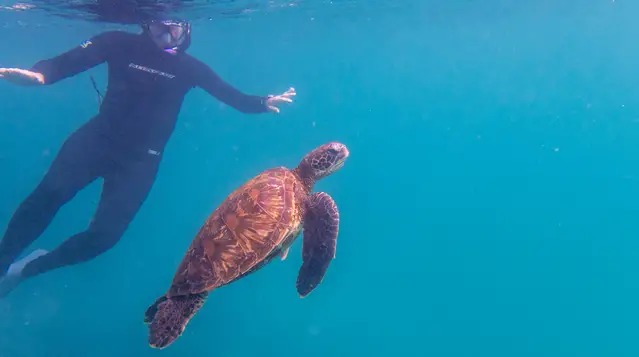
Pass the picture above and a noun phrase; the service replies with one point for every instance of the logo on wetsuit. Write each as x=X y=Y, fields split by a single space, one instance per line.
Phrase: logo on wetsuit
x=86 y=44
x=151 y=70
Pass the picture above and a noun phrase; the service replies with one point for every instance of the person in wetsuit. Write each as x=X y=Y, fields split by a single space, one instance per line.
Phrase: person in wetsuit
x=149 y=75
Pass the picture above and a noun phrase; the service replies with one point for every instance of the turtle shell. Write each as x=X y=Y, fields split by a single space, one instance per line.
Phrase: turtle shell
x=247 y=230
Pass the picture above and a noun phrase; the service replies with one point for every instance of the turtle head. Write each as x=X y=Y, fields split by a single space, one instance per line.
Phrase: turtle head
x=322 y=162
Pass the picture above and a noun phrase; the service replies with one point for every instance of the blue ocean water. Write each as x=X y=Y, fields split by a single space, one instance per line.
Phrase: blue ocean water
x=488 y=207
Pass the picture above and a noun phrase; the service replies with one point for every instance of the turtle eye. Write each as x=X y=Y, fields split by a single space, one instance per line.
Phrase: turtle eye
x=330 y=156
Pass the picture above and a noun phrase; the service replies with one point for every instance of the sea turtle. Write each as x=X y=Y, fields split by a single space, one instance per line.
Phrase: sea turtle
x=254 y=224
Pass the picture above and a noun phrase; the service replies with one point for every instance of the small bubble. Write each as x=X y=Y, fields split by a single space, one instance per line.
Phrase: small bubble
x=313 y=330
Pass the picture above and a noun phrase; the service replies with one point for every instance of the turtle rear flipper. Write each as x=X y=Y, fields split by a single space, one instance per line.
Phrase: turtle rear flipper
x=171 y=316
x=321 y=224
x=150 y=312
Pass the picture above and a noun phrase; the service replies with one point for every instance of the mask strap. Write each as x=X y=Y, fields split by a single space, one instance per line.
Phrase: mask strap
x=95 y=86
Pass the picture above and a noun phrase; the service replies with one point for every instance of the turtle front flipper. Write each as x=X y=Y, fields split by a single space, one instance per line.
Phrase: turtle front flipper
x=321 y=224
x=171 y=316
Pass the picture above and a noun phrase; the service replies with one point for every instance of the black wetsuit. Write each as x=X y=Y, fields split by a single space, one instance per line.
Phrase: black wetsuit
x=122 y=144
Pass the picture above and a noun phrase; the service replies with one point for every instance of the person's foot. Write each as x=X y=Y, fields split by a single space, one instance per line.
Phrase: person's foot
x=14 y=274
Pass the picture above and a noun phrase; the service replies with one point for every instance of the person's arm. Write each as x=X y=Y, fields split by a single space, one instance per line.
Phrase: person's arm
x=89 y=54
x=208 y=80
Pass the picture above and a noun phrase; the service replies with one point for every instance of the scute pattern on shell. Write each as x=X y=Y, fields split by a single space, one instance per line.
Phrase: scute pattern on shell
x=253 y=221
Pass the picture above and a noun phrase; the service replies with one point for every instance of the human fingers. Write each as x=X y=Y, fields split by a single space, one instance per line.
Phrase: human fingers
x=273 y=109
x=282 y=99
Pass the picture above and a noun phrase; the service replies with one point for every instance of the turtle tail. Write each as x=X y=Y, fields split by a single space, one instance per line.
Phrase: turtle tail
x=167 y=317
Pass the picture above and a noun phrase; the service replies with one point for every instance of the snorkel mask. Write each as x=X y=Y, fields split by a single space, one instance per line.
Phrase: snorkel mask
x=170 y=35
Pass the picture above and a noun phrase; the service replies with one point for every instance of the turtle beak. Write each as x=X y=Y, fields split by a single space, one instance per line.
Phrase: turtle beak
x=342 y=155
x=344 y=152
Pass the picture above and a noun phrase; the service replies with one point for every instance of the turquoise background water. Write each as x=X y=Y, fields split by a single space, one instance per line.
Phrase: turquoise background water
x=488 y=207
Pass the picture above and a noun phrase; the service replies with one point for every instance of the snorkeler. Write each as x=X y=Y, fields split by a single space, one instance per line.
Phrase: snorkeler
x=149 y=75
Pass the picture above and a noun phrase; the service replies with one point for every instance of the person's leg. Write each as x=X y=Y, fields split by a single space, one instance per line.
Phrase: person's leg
x=75 y=166
x=125 y=190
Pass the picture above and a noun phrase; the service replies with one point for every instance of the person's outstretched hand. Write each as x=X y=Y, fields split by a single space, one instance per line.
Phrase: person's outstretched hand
x=21 y=76
x=273 y=100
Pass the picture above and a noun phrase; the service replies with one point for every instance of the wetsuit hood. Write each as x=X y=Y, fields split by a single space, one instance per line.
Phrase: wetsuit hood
x=172 y=35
